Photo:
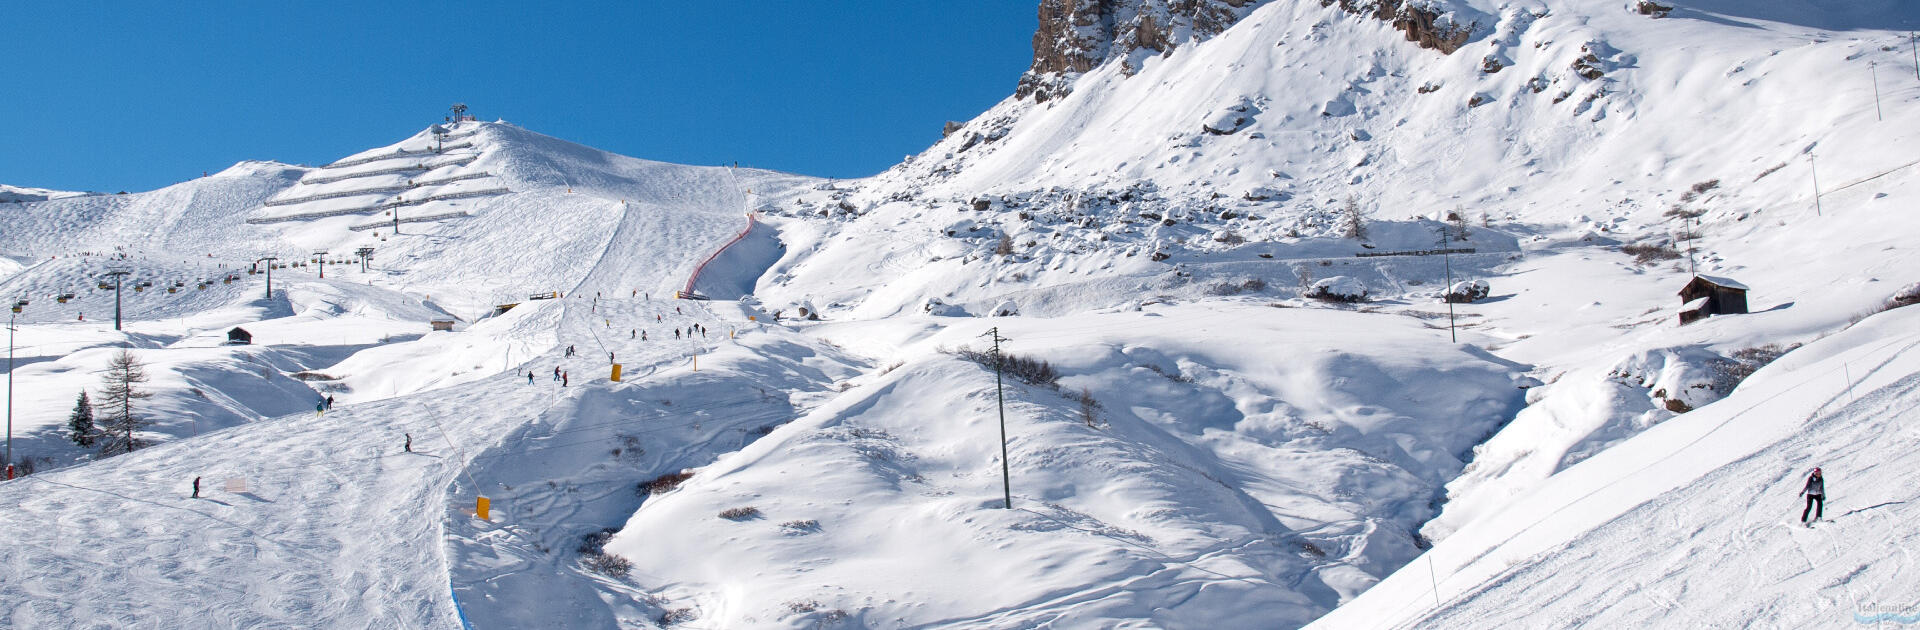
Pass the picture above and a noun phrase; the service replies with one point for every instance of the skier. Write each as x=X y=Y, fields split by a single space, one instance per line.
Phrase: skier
x=1816 y=493
x=196 y=487
x=609 y=356
x=320 y=408
x=633 y=334
x=329 y=402
x=676 y=333
x=643 y=335
x=563 y=379
x=556 y=372
x=529 y=377
x=409 y=445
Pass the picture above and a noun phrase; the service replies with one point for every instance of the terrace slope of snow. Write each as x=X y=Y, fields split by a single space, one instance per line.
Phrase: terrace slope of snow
x=17 y=194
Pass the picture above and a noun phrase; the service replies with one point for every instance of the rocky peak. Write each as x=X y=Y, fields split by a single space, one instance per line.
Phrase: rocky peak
x=1079 y=35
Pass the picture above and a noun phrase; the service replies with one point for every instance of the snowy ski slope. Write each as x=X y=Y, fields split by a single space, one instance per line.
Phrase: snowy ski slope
x=1257 y=458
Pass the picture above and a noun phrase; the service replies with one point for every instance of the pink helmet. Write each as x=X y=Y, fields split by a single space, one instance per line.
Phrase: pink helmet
x=1816 y=471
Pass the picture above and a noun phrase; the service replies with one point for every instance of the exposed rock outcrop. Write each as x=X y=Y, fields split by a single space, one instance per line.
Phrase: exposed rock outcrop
x=1075 y=36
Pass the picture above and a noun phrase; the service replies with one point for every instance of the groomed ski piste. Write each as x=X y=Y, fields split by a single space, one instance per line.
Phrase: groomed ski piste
x=1216 y=448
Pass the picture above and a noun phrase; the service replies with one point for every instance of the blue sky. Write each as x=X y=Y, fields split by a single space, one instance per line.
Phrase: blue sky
x=109 y=96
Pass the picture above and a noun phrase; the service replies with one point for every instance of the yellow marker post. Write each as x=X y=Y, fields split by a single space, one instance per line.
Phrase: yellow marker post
x=696 y=364
x=616 y=372
x=480 y=505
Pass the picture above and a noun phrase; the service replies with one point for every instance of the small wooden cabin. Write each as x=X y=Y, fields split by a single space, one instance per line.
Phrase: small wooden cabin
x=442 y=324
x=1706 y=296
x=239 y=336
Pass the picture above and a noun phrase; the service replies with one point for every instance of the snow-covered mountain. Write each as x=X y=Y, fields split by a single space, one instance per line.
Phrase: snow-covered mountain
x=1152 y=213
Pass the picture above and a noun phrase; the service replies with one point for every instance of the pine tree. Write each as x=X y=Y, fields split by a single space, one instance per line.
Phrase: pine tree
x=80 y=424
x=118 y=392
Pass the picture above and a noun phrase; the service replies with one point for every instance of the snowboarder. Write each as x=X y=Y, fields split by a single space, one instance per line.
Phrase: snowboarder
x=409 y=445
x=196 y=487
x=1816 y=493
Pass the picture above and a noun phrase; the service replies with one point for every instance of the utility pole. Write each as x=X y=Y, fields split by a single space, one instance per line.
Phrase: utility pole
x=1875 y=71
x=10 y=328
x=1815 y=170
x=1687 y=226
x=1446 y=256
x=1006 y=478
x=321 y=257
x=269 y=260
x=117 y=274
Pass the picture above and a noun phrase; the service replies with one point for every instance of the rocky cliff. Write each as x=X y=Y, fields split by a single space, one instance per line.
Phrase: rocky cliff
x=1075 y=36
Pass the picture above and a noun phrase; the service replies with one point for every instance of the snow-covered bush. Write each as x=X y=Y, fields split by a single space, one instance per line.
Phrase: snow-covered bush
x=1907 y=296
x=1338 y=289
x=1466 y=291
x=800 y=527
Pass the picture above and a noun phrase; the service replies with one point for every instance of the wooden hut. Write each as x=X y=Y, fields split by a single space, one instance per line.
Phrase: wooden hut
x=239 y=336
x=1706 y=296
x=442 y=324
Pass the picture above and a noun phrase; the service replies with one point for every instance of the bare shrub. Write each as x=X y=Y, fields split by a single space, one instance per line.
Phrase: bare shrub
x=1729 y=373
x=678 y=616
x=1175 y=376
x=741 y=513
x=801 y=527
x=663 y=483
x=1031 y=371
x=594 y=557
x=1648 y=253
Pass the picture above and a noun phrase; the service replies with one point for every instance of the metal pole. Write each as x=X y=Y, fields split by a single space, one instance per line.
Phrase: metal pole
x=10 y=329
x=117 y=275
x=1815 y=169
x=1447 y=293
x=1877 y=114
x=269 y=260
x=1006 y=478
x=1914 y=41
